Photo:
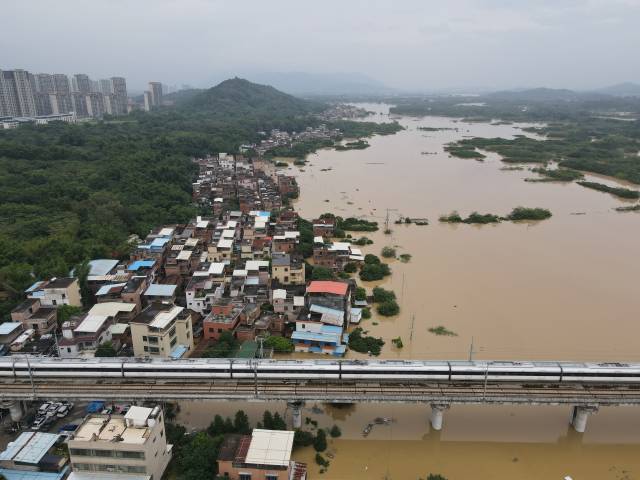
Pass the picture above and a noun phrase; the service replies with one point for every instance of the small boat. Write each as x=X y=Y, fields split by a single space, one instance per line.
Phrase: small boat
x=367 y=430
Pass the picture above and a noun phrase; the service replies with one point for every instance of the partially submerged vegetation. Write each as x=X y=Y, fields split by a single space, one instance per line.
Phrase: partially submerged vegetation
x=353 y=224
x=629 y=208
x=517 y=214
x=617 y=191
x=373 y=269
x=463 y=151
x=386 y=300
x=388 y=252
x=357 y=145
x=555 y=175
x=442 y=331
x=359 y=342
x=581 y=131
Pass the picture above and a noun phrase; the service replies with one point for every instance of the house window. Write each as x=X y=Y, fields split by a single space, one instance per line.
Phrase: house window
x=153 y=339
x=144 y=338
x=146 y=349
x=245 y=476
x=154 y=350
x=54 y=302
x=271 y=476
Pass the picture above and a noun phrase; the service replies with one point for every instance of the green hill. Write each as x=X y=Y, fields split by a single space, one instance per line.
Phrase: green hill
x=238 y=97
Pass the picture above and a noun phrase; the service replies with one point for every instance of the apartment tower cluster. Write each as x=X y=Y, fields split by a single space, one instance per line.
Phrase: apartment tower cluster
x=24 y=94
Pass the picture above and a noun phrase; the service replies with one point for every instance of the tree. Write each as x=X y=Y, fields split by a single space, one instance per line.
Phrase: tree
x=106 y=350
x=278 y=422
x=82 y=272
x=388 y=252
x=321 y=273
x=360 y=294
x=389 y=308
x=279 y=344
x=267 y=420
x=335 y=431
x=216 y=427
x=320 y=442
x=302 y=438
x=241 y=423
x=197 y=460
x=65 y=312
x=351 y=267
x=382 y=295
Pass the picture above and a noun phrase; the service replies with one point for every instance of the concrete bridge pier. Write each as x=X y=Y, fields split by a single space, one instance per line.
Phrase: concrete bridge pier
x=437 y=415
x=296 y=413
x=15 y=409
x=580 y=415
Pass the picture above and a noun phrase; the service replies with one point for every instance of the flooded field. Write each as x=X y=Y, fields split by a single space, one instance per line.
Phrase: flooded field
x=565 y=288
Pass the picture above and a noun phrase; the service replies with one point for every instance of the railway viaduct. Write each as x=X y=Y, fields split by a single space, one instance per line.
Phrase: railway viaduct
x=583 y=399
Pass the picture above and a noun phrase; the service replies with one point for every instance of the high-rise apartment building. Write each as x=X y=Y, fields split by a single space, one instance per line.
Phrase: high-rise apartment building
x=17 y=93
x=61 y=83
x=44 y=83
x=156 y=93
x=148 y=101
x=23 y=94
x=81 y=83
x=119 y=90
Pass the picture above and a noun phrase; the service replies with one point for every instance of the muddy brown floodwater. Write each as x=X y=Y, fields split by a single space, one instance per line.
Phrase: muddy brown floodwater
x=561 y=289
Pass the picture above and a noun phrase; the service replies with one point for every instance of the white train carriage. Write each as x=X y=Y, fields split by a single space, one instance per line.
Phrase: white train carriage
x=603 y=373
x=503 y=371
x=177 y=369
x=283 y=370
x=528 y=372
x=50 y=367
x=396 y=370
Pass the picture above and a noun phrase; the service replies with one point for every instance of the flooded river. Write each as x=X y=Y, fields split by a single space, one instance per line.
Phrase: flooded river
x=565 y=288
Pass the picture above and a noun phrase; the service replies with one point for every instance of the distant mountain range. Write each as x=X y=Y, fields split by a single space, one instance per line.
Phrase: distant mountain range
x=627 y=89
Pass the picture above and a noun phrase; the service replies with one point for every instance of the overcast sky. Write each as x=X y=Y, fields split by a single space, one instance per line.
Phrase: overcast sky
x=411 y=44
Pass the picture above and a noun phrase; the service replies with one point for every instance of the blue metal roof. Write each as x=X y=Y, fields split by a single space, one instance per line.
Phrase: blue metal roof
x=178 y=351
x=10 y=474
x=316 y=337
x=138 y=264
x=30 y=447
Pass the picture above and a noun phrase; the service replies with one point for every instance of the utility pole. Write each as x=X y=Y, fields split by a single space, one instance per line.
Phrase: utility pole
x=471 y=352
x=261 y=340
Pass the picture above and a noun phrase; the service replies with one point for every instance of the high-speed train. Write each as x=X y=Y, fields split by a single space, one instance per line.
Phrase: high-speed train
x=411 y=371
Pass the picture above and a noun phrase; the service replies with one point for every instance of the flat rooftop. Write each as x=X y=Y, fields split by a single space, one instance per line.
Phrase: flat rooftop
x=106 y=428
x=270 y=447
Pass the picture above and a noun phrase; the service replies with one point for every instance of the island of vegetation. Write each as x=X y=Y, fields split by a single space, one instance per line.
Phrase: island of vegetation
x=555 y=175
x=357 y=145
x=617 y=191
x=517 y=214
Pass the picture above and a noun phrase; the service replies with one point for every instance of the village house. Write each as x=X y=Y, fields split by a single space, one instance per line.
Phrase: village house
x=115 y=446
x=157 y=292
x=81 y=335
x=285 y=243
x=162 y=330
x=33 y=315
x=320 y=327
x=287 y=304
x=324 y=227
x=263 y=455
x=224 y=317
x=56 y=292
x=287 y=269
x=335 y=255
